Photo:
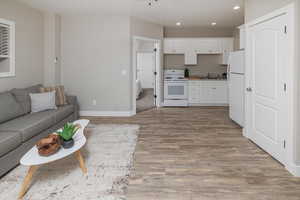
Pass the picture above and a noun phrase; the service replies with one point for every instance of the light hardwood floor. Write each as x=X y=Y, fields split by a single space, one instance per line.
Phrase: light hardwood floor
x=199 y=154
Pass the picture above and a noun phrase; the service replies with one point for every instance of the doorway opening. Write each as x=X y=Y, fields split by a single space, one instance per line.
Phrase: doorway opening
x=146 y=69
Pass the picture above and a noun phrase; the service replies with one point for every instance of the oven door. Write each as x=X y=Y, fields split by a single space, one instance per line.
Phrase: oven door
x=175 y=90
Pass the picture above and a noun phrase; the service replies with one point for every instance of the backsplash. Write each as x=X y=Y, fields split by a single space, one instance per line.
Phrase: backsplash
x=206 y=64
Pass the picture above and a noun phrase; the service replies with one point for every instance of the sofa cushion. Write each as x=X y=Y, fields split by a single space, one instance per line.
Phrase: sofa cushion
x=30 y=125
x=9 y=107
x=62 y=112
x=9 y=141
x=22 y=96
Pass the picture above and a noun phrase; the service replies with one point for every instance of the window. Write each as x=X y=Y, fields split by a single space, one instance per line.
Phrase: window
x=7 y=48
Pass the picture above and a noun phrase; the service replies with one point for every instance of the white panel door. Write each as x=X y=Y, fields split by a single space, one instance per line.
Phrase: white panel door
x=146 y=69
x=268 y=44
x=190 y=58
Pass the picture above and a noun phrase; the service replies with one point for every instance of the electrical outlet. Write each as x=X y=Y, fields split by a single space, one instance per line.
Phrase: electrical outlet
x=94 y=102
x=124 y=72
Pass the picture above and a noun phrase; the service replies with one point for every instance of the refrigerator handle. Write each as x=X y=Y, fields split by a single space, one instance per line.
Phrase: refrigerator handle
x=228 y=72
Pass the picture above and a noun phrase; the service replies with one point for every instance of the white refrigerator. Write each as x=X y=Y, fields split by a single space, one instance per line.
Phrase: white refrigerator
x=236 y=81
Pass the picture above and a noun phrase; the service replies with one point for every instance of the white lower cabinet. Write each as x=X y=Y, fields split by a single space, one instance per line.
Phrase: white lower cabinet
x=207 y=92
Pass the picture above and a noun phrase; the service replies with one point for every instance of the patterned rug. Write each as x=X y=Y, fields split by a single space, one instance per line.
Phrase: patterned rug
x=108 y=155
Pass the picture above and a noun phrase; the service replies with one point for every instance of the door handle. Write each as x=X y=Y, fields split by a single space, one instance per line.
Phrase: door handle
x=249 y=89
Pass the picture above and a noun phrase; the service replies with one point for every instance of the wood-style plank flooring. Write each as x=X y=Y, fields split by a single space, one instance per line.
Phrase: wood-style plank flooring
x=199 y=154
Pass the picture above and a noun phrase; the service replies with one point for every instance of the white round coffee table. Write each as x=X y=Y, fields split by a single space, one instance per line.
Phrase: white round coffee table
x=34 y=160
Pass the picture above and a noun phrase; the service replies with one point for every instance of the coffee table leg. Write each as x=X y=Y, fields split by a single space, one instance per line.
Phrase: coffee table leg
x=27 y=181
x=81 y=161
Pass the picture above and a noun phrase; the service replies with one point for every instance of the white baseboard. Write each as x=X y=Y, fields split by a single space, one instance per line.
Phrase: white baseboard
x=107 y=113
x=208 y=104
x=294 y=169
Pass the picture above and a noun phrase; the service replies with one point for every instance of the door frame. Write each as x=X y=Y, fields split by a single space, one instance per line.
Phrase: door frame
x=158 y=83
x=289 y=11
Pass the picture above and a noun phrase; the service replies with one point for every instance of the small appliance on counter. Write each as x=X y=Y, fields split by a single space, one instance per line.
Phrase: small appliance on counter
x=186 y=73
x=175 y=88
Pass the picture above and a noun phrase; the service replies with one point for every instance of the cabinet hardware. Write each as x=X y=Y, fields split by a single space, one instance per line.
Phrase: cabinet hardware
x=249 y=89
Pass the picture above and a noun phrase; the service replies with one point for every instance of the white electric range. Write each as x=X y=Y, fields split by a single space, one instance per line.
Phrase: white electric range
x=175 y=88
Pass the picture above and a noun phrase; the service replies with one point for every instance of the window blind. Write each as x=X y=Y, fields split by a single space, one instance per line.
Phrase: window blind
x=4 y=40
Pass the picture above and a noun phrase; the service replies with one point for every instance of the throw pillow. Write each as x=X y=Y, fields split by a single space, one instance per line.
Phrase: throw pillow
x=42 y=101
x=61 y=98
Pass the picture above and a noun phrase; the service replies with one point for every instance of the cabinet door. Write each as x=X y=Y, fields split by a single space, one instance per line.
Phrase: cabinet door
x=208 y=46
x=190 y=58
x=193 y=92
x=204 y=95
x=227 y=47
x=168 y=46
x=242 y=36
x=213 y=92
x=218 y=94
x=174 y=46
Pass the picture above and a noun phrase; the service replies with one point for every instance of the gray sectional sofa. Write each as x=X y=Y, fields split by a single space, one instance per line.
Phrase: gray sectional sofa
x=20 y=130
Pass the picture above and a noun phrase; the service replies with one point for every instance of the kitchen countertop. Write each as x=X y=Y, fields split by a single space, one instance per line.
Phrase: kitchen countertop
x=206 y=79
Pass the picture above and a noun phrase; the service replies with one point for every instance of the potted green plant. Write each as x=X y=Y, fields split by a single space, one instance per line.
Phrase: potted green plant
x=66 y=135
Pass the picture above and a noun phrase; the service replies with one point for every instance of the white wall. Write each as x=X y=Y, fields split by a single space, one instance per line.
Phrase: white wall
x=95 y=51
x=29 y=44
x=258 y=8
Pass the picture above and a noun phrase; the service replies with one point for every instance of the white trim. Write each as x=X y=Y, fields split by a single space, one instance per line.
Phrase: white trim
x=289 y=11
x=12 y=49
x=158 y=69
x=106 y=113
x=293 y=169
x=209 y=104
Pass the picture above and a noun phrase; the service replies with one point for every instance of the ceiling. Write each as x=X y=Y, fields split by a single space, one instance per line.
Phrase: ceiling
x=191 y=13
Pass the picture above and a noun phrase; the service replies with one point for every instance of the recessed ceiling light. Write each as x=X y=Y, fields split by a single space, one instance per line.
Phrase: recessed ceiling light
x=178 y=24
x=214 y=23
x=236 y=7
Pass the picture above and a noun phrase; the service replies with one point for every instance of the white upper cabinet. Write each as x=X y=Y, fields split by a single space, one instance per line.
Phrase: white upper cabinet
x=242 y=36
x=207 y=46
x=174 y=46
x=190 y=58
x=227 y=47
x=197 y=45
x=191 y=47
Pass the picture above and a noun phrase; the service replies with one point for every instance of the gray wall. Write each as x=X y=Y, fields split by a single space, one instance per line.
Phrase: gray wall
x=143 y=28
x=95 y=51
x=29 y=44
x=258 y=8
x=197 y=32
x=206 y=64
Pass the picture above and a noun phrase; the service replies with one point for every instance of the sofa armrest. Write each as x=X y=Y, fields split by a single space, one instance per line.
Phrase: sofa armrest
x=73 y=101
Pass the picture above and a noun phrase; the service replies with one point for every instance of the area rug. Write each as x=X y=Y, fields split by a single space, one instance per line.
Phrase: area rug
x=108 y=154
